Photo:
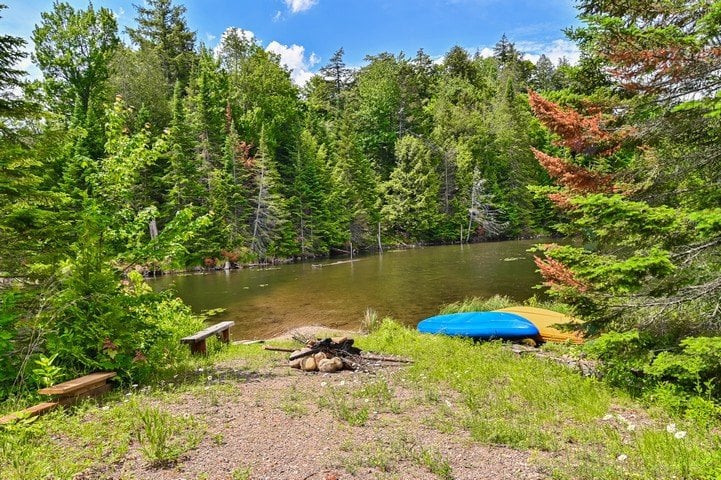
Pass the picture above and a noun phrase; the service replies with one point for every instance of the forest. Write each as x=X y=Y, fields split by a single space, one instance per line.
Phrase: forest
x=164 y=154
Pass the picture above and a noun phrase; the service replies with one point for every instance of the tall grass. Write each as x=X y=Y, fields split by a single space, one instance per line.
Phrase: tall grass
x=530 y=403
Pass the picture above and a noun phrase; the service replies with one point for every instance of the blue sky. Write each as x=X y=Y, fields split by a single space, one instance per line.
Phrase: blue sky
x=307 y=32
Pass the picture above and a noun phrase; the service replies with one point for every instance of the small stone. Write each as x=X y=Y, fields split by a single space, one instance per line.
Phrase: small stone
x=330 y=365
x=295 y=363
x=308 y=364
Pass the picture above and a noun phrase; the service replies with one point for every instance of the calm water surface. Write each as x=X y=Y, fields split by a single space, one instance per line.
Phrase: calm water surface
x=408 y=285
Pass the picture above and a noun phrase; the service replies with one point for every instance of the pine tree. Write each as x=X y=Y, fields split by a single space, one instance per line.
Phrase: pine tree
x=311 y=207
x=411 y=205
x=355 y=187
x=162 y=28
x=269 y=218
x=505 y=52
x=338 y=77
x=184 y=174
x=543 y=74
x=229 y=197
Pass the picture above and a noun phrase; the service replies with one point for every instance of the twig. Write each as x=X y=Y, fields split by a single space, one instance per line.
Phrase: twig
x=386 y=359
x=278 y=349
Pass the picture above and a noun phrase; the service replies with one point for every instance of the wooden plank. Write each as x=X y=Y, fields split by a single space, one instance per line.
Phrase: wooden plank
x=38 y=409
x=89 y=392
x=77 y=384
x=203 y=334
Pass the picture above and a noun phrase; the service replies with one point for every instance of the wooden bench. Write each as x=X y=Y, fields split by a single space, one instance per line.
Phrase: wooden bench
x=68 y=392
x=197 y=341
x=38 y=409
x=65 y=393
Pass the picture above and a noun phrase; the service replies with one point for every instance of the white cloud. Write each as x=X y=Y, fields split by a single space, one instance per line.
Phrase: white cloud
x=296 y=6
x=555 y=51
x=278 y=16
x=245 y=34
x=485 y=52
x=293 y=58
x=210 y=37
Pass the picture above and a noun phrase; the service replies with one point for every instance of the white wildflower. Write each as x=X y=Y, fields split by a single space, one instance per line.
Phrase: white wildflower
x=671 y=428
x=200 y=369
x=631 y=427
x=607 y=417
x=679 y=435
x=210 y=377
x=135 y=385
x=622 y=457
x=323 y=384
x=342 y=382
x=106 y=407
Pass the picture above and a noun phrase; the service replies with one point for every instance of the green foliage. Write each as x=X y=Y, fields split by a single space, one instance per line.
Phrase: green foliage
x=45 y=373
x=162 y=30
x=162 y=437
x=624 y=357
x=476 y=304
x=696 y=365
x=73 y=48
x=411 y=193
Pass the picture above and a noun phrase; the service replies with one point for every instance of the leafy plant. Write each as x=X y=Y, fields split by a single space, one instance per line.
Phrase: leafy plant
x=162 y=437
x=47 y=374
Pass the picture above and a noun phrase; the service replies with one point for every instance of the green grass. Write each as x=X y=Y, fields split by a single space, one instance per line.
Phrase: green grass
x=575 y=427
x=390 y=456
x=534 y=404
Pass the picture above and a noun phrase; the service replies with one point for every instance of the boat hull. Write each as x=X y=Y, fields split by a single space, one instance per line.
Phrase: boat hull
x=545 y=320
x=481 y=325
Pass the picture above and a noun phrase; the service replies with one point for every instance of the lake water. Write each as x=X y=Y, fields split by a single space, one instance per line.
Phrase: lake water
x=408 y=285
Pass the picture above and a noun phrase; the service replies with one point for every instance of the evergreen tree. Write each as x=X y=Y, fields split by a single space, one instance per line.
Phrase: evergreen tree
x=376 y=107
x=412 y=192
x=543 y=74
x=269 y=218
x=355 y=188
x=505 y=52
x=650 y=215
x=184 y=178
x=311 y=209
x=338 y=78
x=458 y=63
x=162 y=29
x=229 y=198
x=11 y=80
x=207 y=100
x=30 y=227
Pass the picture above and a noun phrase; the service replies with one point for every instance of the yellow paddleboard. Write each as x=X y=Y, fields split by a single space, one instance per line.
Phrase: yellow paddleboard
x=544 y=319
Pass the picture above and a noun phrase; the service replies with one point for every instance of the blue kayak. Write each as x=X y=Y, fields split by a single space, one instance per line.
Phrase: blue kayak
x=482 y=325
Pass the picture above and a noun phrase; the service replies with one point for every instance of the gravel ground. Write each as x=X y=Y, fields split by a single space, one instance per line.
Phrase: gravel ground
x=281 y=424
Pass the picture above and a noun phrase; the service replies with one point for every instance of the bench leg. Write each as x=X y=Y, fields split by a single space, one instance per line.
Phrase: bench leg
x=225 y=335
x=198 y=347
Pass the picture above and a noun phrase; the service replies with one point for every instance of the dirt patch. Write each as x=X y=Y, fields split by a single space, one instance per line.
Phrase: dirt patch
x=285 y=424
